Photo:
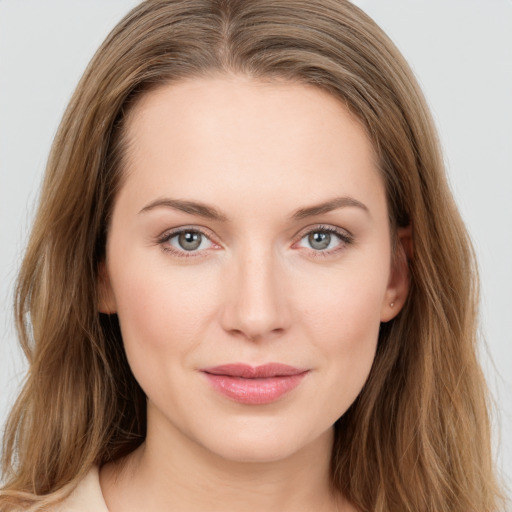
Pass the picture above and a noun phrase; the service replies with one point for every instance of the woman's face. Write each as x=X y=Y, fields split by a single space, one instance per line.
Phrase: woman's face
x=250 y=232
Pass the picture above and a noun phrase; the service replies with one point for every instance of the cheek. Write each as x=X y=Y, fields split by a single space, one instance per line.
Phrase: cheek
x=162 y=315
x=160 y=309
x=342 y=309
x=342 y=317
x=347 y=327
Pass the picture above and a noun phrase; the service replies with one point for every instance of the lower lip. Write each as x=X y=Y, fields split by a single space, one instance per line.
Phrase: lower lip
x=255 y=391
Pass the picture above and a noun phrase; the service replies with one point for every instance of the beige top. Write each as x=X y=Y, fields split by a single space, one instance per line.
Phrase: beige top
x=87 y=497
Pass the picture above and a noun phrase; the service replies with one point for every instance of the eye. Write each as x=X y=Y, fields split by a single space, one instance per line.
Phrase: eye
x=185 y=241
x=320 y=240
x=325 y=239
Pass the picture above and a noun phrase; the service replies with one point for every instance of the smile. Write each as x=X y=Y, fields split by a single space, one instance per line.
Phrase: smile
x=254 y=385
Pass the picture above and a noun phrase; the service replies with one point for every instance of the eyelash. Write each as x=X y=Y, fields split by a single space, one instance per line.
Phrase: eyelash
x=167 y=236
x=344 y=237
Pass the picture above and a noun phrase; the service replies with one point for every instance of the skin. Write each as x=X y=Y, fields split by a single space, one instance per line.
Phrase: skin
x=255 y=291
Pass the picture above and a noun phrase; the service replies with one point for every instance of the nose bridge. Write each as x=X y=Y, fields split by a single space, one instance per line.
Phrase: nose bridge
x=256 y=305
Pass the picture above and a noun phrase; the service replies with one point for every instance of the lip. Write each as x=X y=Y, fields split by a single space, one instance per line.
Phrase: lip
x=254 y=385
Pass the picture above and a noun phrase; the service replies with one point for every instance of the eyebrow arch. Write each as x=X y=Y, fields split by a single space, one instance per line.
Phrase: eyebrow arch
x=328 y=206
x=192 y=207
x=209 y=212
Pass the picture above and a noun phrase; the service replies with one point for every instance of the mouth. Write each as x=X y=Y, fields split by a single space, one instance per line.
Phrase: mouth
x=254 y=385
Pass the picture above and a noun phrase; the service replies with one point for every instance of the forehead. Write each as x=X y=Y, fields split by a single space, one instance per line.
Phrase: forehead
x=231 y=138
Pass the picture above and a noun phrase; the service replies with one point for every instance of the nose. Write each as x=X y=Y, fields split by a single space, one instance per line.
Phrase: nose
x=257 y=305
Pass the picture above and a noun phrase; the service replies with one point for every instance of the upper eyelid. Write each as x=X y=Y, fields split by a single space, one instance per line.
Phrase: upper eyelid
x=323 y=227
x=344 y=236
x=164 y=239
x=164 y=242
x=169 y=233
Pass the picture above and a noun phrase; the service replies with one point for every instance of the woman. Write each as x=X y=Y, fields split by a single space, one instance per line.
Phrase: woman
x=248 y=286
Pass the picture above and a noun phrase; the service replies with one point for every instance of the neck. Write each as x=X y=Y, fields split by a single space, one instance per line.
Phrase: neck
x=173 y=472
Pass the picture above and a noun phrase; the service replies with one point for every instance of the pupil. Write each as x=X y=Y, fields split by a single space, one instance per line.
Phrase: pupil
x=189 y=240
x=319 y=240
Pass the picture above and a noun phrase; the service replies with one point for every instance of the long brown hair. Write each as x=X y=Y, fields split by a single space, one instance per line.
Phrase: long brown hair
x=417 y=438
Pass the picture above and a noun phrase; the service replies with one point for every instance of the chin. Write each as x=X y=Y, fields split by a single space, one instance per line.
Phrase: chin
x=264 y=444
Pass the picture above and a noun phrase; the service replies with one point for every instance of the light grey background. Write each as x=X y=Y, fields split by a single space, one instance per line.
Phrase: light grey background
x=461 y=51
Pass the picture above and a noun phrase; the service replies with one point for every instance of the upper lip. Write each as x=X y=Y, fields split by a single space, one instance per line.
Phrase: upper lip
x=247 y=371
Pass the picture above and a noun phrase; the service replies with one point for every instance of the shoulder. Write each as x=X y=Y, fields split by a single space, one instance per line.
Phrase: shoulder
x=87 y=496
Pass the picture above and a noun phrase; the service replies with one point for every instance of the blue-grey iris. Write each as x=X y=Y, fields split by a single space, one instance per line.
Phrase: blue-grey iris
x=189 y=240
x=319 y=240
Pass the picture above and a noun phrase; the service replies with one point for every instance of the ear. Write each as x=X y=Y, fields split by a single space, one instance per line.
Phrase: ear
x=399 y=278
x=106 y=299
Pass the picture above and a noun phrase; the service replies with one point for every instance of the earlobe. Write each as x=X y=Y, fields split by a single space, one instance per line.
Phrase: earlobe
x=106 y=299
x=398 y=285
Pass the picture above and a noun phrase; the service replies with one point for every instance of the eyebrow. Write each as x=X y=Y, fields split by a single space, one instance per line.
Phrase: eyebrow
x=328 y=206
x=192 y=207
x=210 y=212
